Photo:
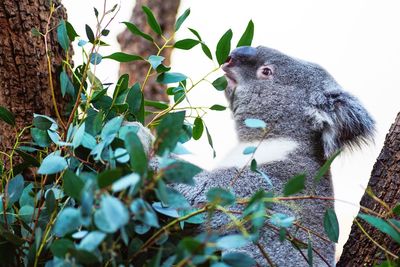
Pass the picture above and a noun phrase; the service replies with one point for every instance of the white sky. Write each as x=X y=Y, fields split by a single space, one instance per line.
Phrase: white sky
x=356 y=41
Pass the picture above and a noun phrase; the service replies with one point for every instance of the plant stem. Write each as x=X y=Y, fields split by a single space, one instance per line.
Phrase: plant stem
x=154 y=237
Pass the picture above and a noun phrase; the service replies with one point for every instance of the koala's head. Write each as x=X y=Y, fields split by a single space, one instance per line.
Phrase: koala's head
x=298 y=99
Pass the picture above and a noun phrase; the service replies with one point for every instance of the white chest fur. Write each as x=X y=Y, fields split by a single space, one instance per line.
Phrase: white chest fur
x=270 y=150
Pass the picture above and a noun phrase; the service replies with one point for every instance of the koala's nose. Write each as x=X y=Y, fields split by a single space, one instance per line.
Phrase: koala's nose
x=243 y=52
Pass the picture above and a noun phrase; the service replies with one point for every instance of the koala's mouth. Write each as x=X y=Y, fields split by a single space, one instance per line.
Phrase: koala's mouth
x=229 y=74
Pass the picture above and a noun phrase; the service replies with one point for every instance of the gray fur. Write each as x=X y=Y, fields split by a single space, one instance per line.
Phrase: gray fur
x=301 y=101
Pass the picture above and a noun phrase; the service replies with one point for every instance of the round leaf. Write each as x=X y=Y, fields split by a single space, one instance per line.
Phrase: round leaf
x=52 y=164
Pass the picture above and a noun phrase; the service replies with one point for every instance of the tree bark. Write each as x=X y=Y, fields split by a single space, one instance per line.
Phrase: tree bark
x=359 y=250
x=24 y=79
x=165 y=12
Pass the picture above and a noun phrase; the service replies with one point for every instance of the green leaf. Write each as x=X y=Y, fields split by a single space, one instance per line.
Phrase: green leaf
x=156 y=104
x=135 y=30
x=135 y=99
x=224 y=47
x=171 y=77
x=7 y=116
x=255 y=123
x=15 y=187
x=282 y=220
x=198 y=128
x=44 y=122
x=52 y=164
x=396 y=210
x=309 y=253
x=247 y=36
x=40 y=137
x=50 y=201
x=220 y=84
x=181 y=172
x=168 y=211
x=35 y=32
x=231 y=242
x=111 y=127
x=108 y=177
x=236 y=259
x=294 y=185
x=186 y=44
x=196 y=33
x=105 y=32
x=220 y=196
x=71 y=31
x=181 y=19
x=112 y=215
x=72 y=185
x=66 y=85
x=331 y=225
x=143 y=212
x=210 y=141
x=89 y=33
x=168 y=131
x=151 y=20
x=138 y=157
x=249 y=150
x=60 y=247
x=123 y=57
x=62 y=35
x=206 y=50
x=325 y=168
x=130 y=180
x=92 y=240
x=381 y=225
x=155 y=61
x=78 y=136
x=69 y=219
x=25 y=213
x=217 y=107
x=88 y=141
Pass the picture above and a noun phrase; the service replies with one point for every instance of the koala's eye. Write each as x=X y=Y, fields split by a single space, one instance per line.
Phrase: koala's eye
x=265 y=72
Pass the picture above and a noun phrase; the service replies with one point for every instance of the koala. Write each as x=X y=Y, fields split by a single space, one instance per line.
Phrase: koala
x=309 y=118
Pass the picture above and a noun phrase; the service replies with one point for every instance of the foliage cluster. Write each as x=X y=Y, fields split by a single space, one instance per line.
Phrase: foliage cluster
x=100 y=193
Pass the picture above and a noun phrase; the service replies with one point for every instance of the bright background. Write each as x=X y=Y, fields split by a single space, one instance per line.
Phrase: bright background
x=356 y=41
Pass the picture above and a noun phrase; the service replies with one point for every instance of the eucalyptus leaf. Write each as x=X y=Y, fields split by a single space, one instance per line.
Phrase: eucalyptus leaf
x=52 y=164
x=220 y=196
x=123 y=57
x=255 y=123
x=181 y=19
x=112 y=215
x=171 y=77
x=144 y=213
x=186 y=44
x=247 y=36
x=294 y=185
x=72 y=184
x=220 y=84
x=69 y=219
x=135 y=30
x=224 y=47
x=151 y=20
x=15 y=187
x=331 y=225
x=62 y=36
x=198 y=128
x=380 y=224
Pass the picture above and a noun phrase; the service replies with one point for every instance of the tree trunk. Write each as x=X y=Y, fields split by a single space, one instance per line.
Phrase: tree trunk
x=165 y=12
x=359 y=250
x=24 y=79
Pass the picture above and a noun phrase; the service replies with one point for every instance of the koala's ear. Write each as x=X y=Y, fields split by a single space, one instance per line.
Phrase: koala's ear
x=342 y=120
